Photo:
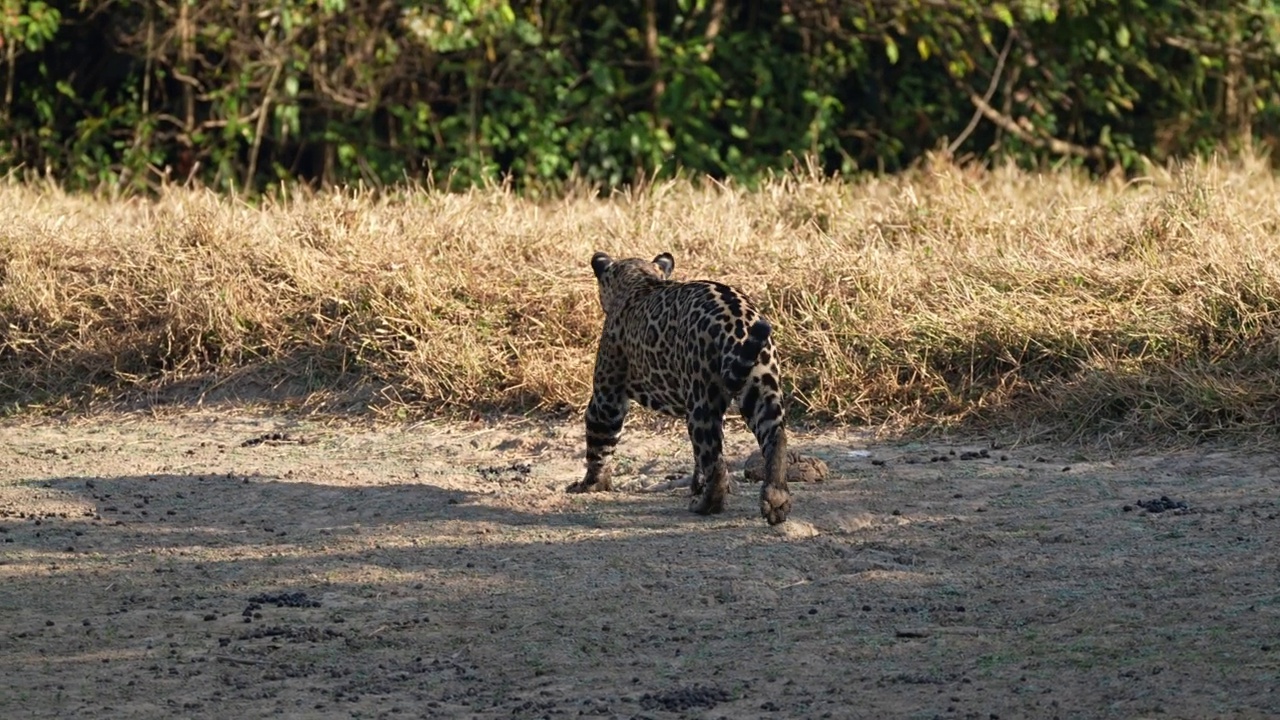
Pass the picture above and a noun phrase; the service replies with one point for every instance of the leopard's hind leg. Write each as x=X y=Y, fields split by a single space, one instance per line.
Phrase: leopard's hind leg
x=753 y=377
x=761 y=405
x=706 y=433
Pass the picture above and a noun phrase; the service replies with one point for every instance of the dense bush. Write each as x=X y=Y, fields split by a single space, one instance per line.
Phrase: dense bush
x=120 y=94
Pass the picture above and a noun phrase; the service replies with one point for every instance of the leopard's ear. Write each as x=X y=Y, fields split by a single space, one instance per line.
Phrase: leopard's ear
x=600 y=262
x=666 y=264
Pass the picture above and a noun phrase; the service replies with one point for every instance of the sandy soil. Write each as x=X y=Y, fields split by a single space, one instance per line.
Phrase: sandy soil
x=222 y=565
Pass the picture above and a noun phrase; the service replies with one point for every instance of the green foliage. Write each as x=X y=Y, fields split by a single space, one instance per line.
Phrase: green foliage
x=125 y=94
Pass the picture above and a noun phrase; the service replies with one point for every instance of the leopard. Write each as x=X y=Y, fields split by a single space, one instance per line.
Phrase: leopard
x=685 y=349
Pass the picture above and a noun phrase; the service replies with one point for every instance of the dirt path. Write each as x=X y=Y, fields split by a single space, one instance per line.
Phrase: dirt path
x=231 y=566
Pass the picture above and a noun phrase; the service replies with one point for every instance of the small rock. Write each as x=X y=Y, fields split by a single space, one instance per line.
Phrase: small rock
x=800 y=468
x=793 y=528
x=1162 y=504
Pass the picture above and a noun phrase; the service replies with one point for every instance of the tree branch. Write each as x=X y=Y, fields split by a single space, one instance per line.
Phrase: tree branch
x=261 y=128
x=1212 y=49
x=713 y=30
x=1061 y=147
x=655 y=62
x=986 y=98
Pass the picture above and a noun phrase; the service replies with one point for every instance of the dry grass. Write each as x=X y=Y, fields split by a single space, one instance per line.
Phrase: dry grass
x=1045 y=302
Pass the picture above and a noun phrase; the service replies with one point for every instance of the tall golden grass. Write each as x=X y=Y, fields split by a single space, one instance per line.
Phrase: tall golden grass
x=1044 y=302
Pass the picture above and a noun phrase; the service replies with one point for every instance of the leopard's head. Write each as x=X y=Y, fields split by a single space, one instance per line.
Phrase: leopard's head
x=619 y=280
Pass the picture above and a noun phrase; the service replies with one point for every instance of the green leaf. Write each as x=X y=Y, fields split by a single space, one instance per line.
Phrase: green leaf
x=891 y=50
x=602 y=78
x=528 y=33
x=922 y=46
x=1122 y=36
x=1002 y=13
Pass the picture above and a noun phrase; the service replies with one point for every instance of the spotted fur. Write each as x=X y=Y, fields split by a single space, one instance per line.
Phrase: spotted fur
x=686 y=349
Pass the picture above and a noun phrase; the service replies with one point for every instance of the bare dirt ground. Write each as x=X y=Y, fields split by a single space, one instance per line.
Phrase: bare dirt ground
x=220 y=565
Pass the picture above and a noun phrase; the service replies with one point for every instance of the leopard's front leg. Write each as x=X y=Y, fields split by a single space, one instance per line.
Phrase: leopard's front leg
x=605 y=416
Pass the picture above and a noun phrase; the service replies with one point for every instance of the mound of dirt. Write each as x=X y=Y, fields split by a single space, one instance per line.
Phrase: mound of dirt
x=800 y=468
